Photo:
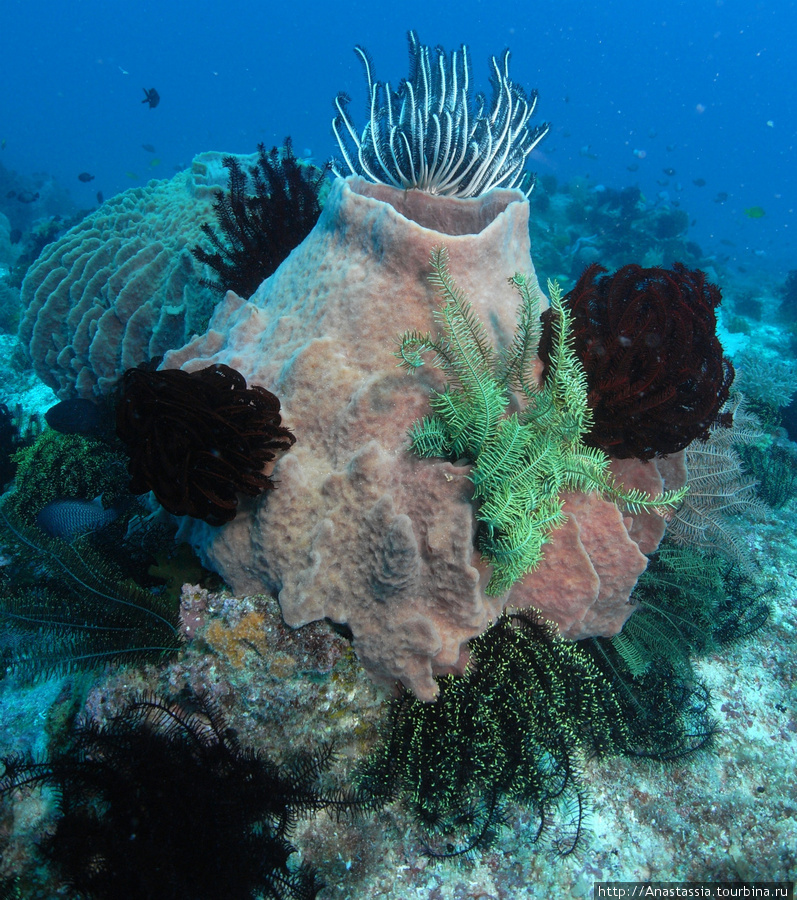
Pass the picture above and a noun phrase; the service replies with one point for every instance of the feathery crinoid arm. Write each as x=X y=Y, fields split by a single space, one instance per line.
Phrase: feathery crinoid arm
x=474 y=400
x=521 y=462
x=562 y=405
x=516 y=369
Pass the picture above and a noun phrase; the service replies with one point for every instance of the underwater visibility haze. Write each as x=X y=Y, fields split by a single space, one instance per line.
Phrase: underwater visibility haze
x=398 y=447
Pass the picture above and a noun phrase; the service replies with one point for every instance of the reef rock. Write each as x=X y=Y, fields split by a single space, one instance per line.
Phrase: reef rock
x=358 y=529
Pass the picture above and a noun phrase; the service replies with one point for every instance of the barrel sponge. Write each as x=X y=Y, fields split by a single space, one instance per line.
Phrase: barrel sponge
x=121 y=287
x=360 y=530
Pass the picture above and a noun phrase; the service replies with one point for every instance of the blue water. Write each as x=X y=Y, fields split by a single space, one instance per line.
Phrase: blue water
x=703 y=88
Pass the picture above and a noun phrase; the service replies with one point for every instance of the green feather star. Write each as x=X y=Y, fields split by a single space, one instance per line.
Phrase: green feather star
x=523 y=461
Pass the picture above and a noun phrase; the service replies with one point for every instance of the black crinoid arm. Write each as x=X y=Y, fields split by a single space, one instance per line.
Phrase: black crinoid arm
x=164 y=801
x=260 y=218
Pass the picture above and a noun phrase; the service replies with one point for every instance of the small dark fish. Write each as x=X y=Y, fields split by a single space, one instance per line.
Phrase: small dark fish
x=11 y=194
x=669 y=172
x=721 y=197
x=78 y=417
x=726 y=243
x=15 y=235
x=148 y=147
x=66 y=518
x=633 y=167
x=100 y=198
x=754 y=212
x=699 y=182
x=152 y=97
x=85 y=177
x=27 y=196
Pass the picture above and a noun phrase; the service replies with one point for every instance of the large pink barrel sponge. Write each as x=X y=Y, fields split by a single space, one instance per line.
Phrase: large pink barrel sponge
x=358 y=529
x=121 y=287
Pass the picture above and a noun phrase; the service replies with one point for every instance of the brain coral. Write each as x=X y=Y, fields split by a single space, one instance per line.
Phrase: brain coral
x=121 y=287
x=359 y=529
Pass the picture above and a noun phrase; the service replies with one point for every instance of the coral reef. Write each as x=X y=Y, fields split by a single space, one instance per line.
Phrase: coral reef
x=516 y=726
x=428 y=134
x=259 y=230
x=164 y=800
x=719 y=488
x=60 y=466
x=360 y=531
x=10 y=306
x=655 y=369
x=120 y=287
x=72 y=609
x=199 y=439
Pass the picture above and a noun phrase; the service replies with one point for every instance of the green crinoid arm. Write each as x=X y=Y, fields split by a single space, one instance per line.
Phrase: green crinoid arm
x=474 y=402
x=522 y=463
x=518 y=549
x=636 y=501
x=517 y=361
x=429 y=437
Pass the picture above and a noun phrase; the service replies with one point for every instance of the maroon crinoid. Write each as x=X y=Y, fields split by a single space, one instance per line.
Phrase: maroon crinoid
x=655 y=370
x=199 y=439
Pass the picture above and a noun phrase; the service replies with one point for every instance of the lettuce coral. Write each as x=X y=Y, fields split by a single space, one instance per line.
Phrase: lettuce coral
x=120 y=287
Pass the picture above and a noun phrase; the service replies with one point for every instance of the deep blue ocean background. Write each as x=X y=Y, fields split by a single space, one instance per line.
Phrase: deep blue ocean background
x=631 y=89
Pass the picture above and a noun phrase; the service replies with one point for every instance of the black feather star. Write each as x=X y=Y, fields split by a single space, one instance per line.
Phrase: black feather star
x=163 y=803
x=259 y=230
x=66 y=607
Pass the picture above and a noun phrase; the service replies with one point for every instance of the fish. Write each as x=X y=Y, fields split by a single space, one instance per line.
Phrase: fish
x=3 y=144
x=152 y=97
x=10 y=195
x=132 y=176
x=634 y=167
x=27 y=196
x=154 y=163
x=66 y=517
x=669 y=171
x=148 y=147
x=78 y=417
x=754 y=212
x=100 y=198
x=699 y=182
x=721 y=197
x=85 y=177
